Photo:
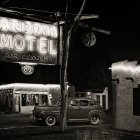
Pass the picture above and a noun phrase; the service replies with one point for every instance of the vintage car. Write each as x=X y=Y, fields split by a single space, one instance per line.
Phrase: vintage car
x=79 y=110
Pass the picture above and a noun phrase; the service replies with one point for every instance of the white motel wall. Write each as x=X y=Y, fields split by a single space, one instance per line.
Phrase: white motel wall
x=19 y=97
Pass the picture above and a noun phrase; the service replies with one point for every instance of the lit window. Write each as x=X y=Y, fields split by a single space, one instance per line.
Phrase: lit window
x=29 y=99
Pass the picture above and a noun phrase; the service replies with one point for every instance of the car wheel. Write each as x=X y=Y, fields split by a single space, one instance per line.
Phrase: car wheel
x=94 y=119
x=50 y=121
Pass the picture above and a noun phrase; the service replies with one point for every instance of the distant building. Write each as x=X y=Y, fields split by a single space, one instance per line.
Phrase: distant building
x=100 y=95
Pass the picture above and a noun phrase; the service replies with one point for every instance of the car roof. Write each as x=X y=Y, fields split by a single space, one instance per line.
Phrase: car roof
x=81 y=98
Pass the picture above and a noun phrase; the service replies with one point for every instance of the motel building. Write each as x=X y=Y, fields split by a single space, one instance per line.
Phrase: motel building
x=30 y=59
x=22 y=97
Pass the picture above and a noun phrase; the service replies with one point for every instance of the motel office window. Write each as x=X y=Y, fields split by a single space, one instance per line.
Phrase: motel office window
x=29 y=99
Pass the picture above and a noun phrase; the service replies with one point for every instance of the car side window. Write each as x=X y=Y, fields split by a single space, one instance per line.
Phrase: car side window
x=92 y=103
x=84 y=102
x=73 y=103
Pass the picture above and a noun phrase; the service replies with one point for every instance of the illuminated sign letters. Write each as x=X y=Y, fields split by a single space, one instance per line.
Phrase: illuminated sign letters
x=27 y=41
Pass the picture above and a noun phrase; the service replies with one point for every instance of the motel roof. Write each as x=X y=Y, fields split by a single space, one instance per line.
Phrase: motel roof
x=30 y=87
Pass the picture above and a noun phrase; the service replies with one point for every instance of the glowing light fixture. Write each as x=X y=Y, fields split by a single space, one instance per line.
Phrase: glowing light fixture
x=28 y=85
x=88 y=39
x=27 y=68
x=126 y=66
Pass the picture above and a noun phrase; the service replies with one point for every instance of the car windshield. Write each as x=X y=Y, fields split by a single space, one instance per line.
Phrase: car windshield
x=58 y=102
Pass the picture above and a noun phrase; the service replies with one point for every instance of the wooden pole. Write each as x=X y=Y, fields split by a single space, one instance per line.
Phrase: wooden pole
x=69 y=26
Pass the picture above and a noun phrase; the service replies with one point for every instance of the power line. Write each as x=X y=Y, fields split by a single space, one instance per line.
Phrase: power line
x=35 y=10
x=30 y=16
x=52 y=15
x=4 y=2
x=38 y=10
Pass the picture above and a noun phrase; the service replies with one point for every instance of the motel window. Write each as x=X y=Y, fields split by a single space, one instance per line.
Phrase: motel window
x=136 y=101
x=45 y=99
x=23 y=99
x=29 y=99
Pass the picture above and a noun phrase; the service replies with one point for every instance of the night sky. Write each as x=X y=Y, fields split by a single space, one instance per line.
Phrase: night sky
x=88 y=67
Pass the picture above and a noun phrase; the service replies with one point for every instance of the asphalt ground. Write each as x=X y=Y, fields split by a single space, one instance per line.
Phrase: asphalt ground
x=12 y=120
x=17 y=124
x=16 y=120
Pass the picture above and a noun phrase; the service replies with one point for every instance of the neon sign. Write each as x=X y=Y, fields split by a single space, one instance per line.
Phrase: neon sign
x=27 y=41
x=27 y=27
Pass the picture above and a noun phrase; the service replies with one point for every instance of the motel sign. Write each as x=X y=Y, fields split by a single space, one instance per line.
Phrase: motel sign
x=26 y=41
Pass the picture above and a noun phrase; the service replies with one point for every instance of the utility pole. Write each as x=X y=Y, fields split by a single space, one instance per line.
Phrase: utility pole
x=70 y=24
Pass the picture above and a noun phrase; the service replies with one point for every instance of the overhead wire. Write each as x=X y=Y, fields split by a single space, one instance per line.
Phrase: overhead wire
x=30 y=16
x=38 y=10
x=42 y=18
x=3 y=3
x=35 y=10
x=55 y=14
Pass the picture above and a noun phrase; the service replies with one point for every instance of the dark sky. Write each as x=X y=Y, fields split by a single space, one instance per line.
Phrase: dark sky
x=88 y=67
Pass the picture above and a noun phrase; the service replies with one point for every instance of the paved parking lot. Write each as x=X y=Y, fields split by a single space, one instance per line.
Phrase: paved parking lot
x=26 y=120
x=16 y=120
x=24 y=125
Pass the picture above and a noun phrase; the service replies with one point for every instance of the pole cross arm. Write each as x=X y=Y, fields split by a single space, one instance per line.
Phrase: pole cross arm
x=62 y=21
x=89 y=17
x=94 y=28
